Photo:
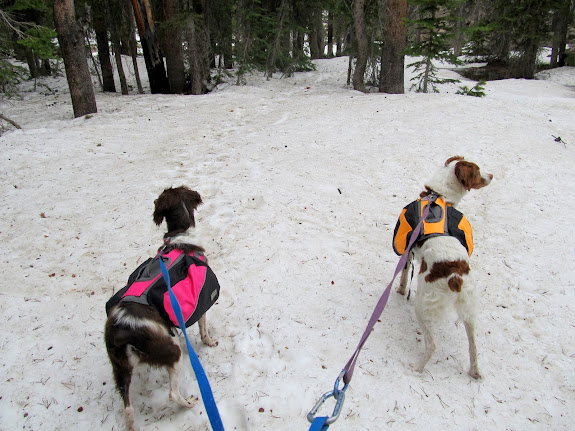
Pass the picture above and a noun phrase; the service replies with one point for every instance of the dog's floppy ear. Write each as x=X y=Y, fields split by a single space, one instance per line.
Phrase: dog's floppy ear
x=172 y=201
x=161 y=205
x=467 y=174
x=191 y=198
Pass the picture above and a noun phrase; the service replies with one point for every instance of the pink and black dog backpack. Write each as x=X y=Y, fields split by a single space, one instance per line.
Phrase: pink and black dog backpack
x=192 y=281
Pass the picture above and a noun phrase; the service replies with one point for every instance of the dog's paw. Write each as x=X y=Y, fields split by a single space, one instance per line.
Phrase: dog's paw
x=417 y=368
x=475 y=374
x=209 y=341
x=188 y=403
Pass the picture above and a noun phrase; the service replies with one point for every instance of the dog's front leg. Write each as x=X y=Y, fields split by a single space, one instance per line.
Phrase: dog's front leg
x=204 y=335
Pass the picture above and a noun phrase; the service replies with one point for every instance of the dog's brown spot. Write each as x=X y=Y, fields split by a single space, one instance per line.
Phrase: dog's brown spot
x=470 y=176
x=445 y=269
x=455 y=283
x=423 y=266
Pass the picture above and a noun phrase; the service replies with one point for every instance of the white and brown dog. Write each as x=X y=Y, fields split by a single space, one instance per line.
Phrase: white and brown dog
x=444 y=273
x=137 y=333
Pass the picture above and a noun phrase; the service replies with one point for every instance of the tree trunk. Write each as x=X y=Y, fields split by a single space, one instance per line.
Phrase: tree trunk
x=362 y=45
x=313 y=44
x=330 y=35
x=276 y=47
x=133 y=47
x=426 y=76
x=173 y=47
x=394 y=40
x=459 y=39
x=560 y=24
x=227 y=38
x=119 y=65
x=71 y=40
x=32 y=64
x=101 y=30
x=154 y=61
x=108 y=83
x=196 y=57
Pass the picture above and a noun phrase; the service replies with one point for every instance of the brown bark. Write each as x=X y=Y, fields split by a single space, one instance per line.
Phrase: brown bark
x=394 y=40
x=71 y=40
x=101 y=30
x=560 y=24
x=132 y=45
x=154 y=61
x=173 y=47
x=362 y=45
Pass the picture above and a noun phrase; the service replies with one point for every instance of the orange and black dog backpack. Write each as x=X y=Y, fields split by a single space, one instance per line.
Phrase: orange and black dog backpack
x=442 y=219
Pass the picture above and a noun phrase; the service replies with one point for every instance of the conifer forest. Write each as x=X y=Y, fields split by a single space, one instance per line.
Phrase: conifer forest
x=189 y=46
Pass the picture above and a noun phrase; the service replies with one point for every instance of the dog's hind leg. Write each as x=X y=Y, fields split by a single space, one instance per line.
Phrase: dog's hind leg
x=175 y=395
x=429 y=346
x=466 y=307
x=425 y=323
x=473 y=367
x=123 y=377
x=204 y=335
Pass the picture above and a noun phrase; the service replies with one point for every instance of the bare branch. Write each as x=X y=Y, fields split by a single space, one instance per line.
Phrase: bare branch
x=15 y=25
x=2 y=117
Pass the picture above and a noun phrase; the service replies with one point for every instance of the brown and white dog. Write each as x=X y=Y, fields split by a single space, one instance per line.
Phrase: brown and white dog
x=137 y=333
x=444 y=273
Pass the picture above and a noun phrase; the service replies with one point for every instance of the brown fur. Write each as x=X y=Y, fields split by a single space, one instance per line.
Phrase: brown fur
x=177 y=206
x=137 y=331
x=469 y=175
x=423 y=266
x=445 y=269
x=451 y=159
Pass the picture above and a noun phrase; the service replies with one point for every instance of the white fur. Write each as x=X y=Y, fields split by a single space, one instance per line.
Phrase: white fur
x=123 y=318
x=186 y=238
x=433 y=297
x=446 y=184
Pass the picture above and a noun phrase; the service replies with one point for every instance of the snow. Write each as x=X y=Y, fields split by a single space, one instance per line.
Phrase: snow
x=302 y=180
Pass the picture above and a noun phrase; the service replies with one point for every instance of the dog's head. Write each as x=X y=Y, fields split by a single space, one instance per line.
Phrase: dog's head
x=457 y=177
x=177 y=206
x=468 y=174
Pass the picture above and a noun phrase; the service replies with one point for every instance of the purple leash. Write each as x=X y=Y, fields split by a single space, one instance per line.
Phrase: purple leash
x=347 y=372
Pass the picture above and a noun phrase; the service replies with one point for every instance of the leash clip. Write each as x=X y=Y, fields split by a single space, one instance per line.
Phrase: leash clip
x=338 y=394
x=339 y=379
x=164 y=246
x=340 y=397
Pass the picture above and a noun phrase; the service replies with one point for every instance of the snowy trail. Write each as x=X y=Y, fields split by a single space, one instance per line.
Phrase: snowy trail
x=302 y=182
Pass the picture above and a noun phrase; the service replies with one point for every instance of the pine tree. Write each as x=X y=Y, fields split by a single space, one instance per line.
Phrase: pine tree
x=435 y=24
x=33 y=35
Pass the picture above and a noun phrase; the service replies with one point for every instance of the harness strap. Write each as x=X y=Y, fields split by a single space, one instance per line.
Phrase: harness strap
x=203 y=383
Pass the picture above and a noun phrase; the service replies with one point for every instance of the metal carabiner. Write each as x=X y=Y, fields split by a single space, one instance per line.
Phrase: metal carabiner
x=336 y=389
x=340 y=397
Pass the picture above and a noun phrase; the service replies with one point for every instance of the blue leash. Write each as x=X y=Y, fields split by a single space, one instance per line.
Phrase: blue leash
x=203 y=383
x=319 y=424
